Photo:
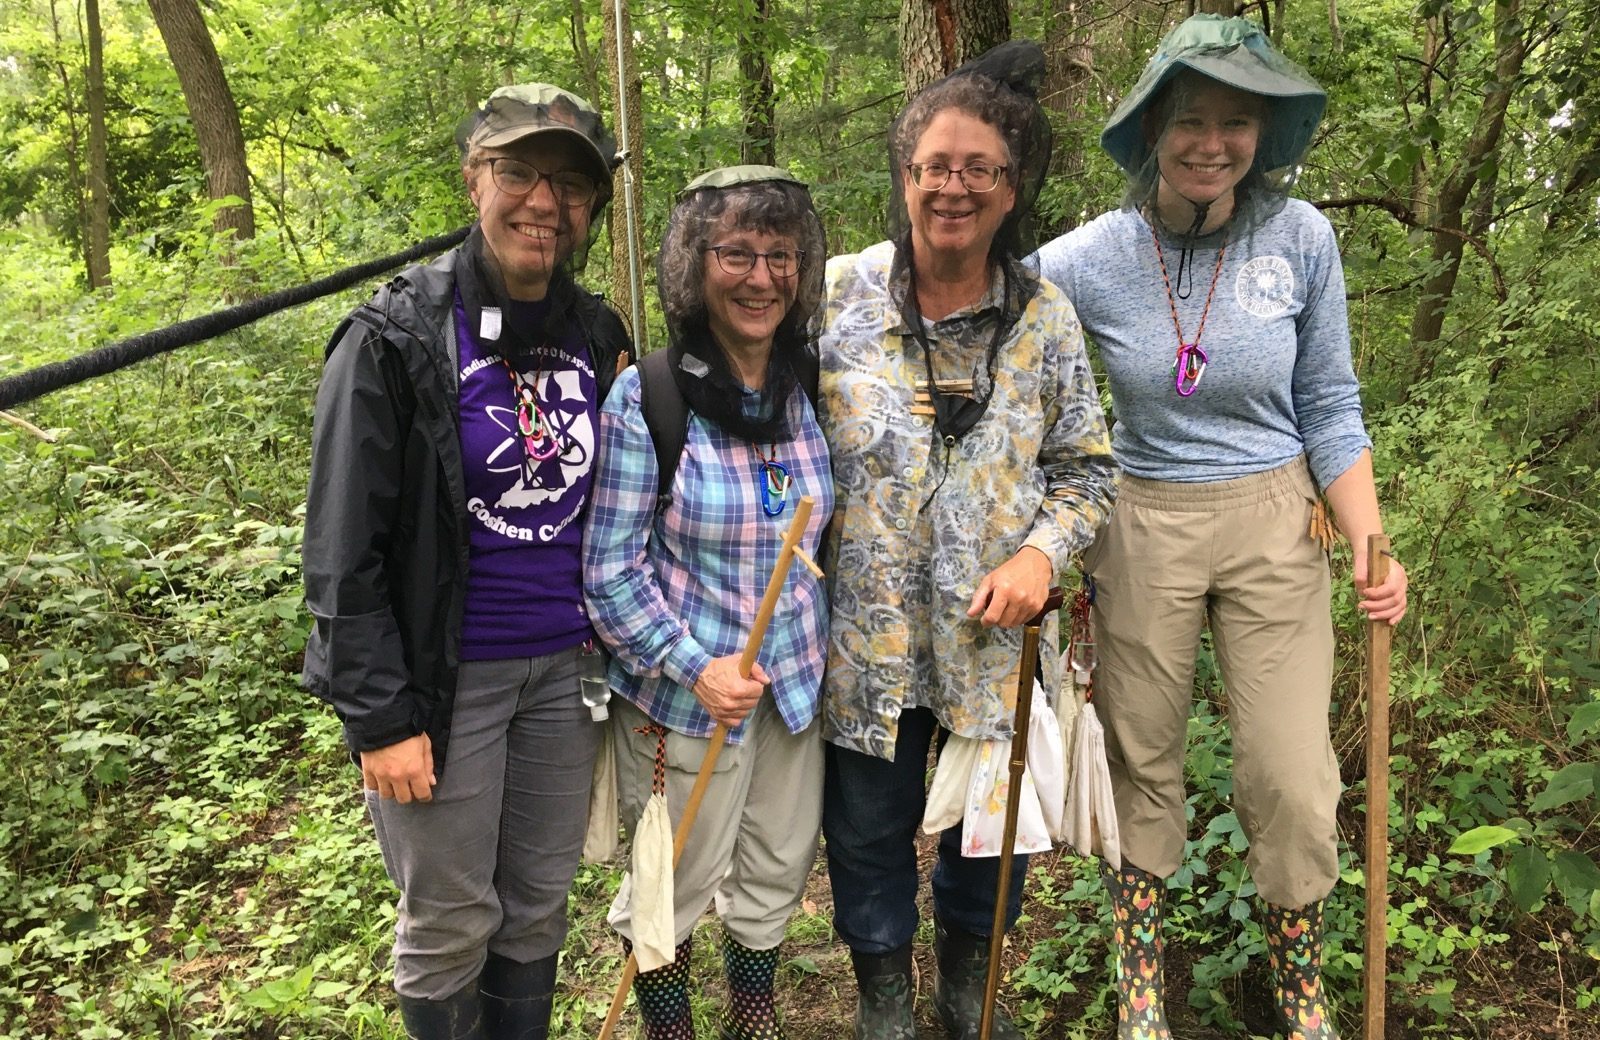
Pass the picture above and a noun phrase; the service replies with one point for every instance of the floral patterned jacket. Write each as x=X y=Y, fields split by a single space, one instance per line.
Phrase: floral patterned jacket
x=1036 y=470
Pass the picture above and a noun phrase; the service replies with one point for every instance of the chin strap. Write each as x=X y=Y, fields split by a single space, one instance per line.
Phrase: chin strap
x=1185 y=280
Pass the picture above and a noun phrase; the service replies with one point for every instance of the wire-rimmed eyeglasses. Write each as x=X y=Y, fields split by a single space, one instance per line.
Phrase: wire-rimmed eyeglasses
x=975 y=177
x=515 y=177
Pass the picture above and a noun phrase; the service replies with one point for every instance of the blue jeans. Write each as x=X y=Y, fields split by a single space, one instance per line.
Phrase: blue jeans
x=871 y=810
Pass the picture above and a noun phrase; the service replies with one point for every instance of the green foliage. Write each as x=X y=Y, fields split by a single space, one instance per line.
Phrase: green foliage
x=182 y=850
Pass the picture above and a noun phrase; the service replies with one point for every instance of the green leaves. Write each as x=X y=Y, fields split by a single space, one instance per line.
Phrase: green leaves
x=1574 y=781
x=1481 y=839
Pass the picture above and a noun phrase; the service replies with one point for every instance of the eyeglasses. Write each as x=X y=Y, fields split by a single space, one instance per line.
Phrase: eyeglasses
x=975 y=177
x=781 y=263
x=515 y=177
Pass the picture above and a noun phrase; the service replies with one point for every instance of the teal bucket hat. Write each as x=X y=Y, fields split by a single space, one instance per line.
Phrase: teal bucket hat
x=1234 y=52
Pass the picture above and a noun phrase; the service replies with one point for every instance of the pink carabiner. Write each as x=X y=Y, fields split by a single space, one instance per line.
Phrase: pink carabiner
x=1187 y=369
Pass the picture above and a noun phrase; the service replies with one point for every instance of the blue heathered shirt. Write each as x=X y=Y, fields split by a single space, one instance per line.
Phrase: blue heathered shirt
x=1279 y=383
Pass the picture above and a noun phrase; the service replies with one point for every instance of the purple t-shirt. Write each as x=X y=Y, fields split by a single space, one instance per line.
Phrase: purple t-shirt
x=525 y=577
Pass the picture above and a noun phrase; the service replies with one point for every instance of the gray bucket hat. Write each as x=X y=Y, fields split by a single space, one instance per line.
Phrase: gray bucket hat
x=529 y=109
x=1234 y=52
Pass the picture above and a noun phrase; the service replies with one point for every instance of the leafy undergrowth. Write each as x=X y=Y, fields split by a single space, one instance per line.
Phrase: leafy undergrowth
x=186 y=854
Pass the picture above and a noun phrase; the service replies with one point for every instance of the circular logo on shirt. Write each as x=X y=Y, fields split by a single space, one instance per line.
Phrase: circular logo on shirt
x=1265 y=286
x=566 y=414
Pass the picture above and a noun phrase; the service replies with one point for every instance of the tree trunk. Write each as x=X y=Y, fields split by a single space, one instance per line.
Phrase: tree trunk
x=759 y=144
x=1511 y=50
x=99 y=254
x=938 y=35
x=1222 y=7
x=626 y=111
x=211 y=109
x=1069 y=67
x=587 y=63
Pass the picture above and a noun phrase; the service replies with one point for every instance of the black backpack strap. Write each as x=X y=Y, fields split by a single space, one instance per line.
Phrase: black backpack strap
x=666 y=416
x=808 y=370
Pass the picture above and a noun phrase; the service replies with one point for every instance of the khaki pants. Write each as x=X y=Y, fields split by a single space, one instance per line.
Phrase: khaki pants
x=1237 y=553
x=755 y=836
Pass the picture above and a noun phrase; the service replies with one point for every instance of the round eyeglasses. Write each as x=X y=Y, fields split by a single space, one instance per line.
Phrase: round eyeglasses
x=515 y=177
x=975 y=177
x=781 y=263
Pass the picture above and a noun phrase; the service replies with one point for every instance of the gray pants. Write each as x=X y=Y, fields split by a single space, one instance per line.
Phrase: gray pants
x=485 y=866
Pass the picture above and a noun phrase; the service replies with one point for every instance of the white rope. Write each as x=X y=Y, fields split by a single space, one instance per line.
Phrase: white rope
x=635 y=282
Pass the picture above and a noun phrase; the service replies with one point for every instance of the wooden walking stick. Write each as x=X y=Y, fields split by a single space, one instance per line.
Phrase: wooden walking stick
x=769 y=602
x=1377 y=956
x=1019 y=761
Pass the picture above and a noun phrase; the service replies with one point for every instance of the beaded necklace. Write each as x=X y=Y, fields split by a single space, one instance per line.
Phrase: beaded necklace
x=1190 y=362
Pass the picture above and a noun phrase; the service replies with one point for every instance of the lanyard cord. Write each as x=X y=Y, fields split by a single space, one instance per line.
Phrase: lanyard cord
x=1189 y=364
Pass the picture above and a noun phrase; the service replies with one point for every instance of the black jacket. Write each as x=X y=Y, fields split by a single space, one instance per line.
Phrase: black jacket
x=386 y=512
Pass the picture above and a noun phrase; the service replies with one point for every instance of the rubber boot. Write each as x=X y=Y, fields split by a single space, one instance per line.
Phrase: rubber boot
x=750 y=1014
x=456 y=1017
x=885 y=996
x=517 y=998
x=663 y=996
x=1137 y=900
x=1294 y=949
x=961 y=962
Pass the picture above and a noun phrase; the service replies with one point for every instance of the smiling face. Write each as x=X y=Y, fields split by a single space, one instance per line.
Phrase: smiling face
x=1209 y=144
x=745 y=310
x=954 y=224
x=530 y=235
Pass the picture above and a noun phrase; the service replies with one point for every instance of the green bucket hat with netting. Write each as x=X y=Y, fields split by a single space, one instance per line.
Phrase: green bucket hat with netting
x=1234 y=52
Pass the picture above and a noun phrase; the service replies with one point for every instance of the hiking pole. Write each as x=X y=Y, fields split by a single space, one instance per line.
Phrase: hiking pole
x=752 y=647
x=1377 y=955
x=1019 y=761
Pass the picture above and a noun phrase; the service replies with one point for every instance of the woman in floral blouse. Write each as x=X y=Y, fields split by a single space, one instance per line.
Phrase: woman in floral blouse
x=971 y=463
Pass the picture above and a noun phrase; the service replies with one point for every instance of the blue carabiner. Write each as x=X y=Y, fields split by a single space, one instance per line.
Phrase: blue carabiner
x=774 y=480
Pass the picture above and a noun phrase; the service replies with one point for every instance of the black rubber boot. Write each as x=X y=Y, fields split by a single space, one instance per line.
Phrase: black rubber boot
x=884 y=1003
x=456 y=1017
x=962 y=962
x=663 y=996
x=517 y=998
x=1294 y=949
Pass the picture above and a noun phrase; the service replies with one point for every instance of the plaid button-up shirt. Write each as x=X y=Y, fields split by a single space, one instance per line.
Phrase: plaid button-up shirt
x=670 y=591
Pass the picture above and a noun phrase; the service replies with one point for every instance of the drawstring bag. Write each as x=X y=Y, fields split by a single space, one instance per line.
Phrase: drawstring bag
x=600 y=840
x=972 y=780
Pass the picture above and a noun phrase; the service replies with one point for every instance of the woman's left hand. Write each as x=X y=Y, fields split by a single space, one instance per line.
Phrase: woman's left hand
x=1015 y=591
x=1385 y=602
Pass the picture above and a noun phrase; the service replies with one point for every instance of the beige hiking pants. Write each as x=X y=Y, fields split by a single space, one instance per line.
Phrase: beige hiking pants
x=1236 y=553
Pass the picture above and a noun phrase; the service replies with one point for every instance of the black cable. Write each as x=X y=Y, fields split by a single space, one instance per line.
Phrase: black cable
x=37 y=382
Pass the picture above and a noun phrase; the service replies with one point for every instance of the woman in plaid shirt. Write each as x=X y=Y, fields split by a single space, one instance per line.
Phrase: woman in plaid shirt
x=673 y=582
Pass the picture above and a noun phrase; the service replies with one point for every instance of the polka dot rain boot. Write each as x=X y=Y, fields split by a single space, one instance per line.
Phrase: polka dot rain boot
x=663 y=996
x=1294 y=950
x=1137 y=900
x=750 y=1014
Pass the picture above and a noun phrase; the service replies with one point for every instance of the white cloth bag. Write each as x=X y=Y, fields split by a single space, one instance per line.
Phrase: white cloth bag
x=973 y=778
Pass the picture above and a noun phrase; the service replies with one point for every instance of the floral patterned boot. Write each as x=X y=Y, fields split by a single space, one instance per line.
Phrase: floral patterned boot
x=1294 y=949
x=1137 y=900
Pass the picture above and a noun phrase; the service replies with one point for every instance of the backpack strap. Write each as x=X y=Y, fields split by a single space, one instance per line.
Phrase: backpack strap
x=666 y=416
x=666 y=413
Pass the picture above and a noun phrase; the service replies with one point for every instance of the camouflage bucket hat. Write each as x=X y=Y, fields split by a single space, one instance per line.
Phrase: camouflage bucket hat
x=529 y=109
x=733 y=176
x=1234 y=52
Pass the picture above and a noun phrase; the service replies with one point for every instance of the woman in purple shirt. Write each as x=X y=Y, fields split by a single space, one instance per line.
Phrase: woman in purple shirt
x=451 y=467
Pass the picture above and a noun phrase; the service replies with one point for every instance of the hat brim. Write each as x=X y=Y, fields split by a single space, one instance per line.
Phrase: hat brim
x=510 y=135
x=1294 y=105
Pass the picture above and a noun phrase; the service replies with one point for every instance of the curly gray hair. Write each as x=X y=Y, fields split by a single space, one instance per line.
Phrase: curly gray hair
x=776 y=207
